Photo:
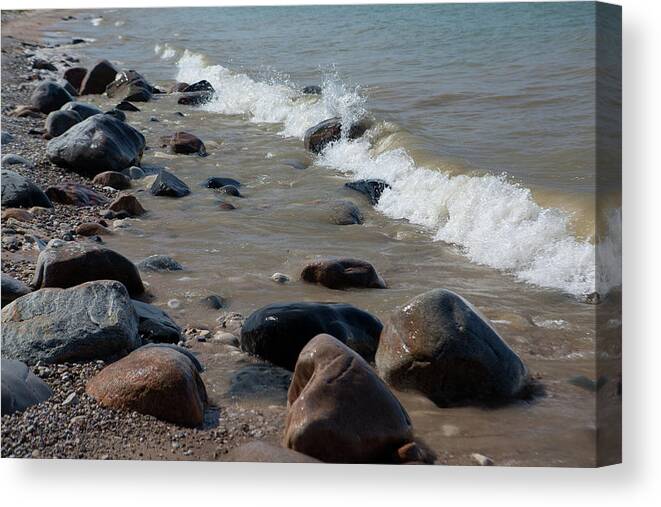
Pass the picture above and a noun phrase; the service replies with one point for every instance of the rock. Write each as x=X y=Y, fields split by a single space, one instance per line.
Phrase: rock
x=19 y=214
x=183 y=142
x=195 y=98
x=178 y=87
x=168 y=185
x=112 y=179
x=20 y=387
x=127 y=106
x=10 y=159
x=130 y=86
x=128 y=204
x=68 y=87
x=12 y=289
x=371 y=188
x=98 y=78
x=230 y=190
x=77 y=41
x=84 y=110
x=72 y=399
x=481 y=459
x=157 y=381
x=159 y=263
x=263 y=452
x=200 y=86
x=92 y=229
x=6 y=138
x=40 y=63
x=75 y=194
x=134 y=172
x=317 y=137
x=312 y=90
x=99 y=143
x=116 y=113
x=280 y=278
x=343 y=212
x=219 y=182
x=75 y=263
x=58 y=122
x=155 y=325
x=263 y=381
x=340 y=411
x=343 y=273
x=24 y=111
x=442 y=346
x=226 y=206
x=95 y=320
x=278 y=332
x=226 y=339
x=49 y=96
x=75 y=76
x=213 y=302
x=19 y=192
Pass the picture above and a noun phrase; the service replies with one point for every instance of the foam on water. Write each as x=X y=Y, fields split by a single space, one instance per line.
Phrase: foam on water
x=494 y=221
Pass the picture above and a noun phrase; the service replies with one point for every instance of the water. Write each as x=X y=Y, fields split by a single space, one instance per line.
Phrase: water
x=483 y=124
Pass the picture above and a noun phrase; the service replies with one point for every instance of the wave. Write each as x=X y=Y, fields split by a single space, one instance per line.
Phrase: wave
x=493 y=220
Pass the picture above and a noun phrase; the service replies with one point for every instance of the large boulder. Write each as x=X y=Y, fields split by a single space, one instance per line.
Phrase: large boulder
x=75 y=194
x=99 y=143
x=95 y=320
x=263 y=452
x=183 y=142
x=157 y=381
x=58 y=122
x=344 y=273
x=20 y=192
x=154 y=325
x=49 y=96
x=98 y=78
x=328 y=131
x=168 y=185
x=113 y=179
x=372 y=189
x=71 y=263
x=12 y=289
x=340 y=411
x=131 y=86
x=84 y=110
x=442 y=346
x=75 y=76
x=20 y=387
x=278 y=332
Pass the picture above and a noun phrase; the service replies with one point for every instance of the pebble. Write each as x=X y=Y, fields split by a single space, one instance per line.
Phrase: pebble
x=280 y=278
x=481 y=459
x=174 y=303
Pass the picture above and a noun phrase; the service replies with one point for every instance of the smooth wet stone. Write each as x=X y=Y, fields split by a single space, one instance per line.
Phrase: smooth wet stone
x=94 y=320
x=230 y=190
x=134 y=172
x=128 y=204
x=213 y=302
x=84 y=110
x=20 y=387
x=328 y=131
x=264 y=452
x=442 y=346
x=75 y=194
x=219 y=182
x=116 y=113
x=99 y=143
x=75 y=76
x=342 y=212
x=278 y=332
x=19 y=192
x=74 y=263
x=372 y=189
x=159 y=263
x=340 y=411
x=58 y=122
x=195 y=98
x=130 y=86
x=89 y=229
x=312 y=90
x=155 y=325
x=168 y=185
x=185 y=143
x=98 y=78
x=200 y=86
x=112 y=179
x=12 y=289
x=157 y=381
x=49 y=96
x=343 y=273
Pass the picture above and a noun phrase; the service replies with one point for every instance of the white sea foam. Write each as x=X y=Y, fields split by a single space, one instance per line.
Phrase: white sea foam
x=495 y=221
x=96 y=21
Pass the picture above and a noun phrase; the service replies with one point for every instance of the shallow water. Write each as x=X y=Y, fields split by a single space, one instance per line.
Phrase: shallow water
x=458 y=94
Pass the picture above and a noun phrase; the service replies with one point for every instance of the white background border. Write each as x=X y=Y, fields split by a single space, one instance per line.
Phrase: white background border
x=636 y=482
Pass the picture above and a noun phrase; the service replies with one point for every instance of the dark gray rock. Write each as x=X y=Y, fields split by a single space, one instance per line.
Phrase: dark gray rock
x=49 y=96
x=127 y=106
x=12 y=289
x=98 y=78
x=195 y=98
x=99 y=143
x=312 y=90
x=155 y=325
x=159 y=263
x=84 y=110
x=75 y=76
x=219 y=182
x=19 y=192
x=372 y=189
x=328 y=131
x=343 y=273
x=10 y=159
x=95 y=320
x=230 y=190
x=58 y=122
x=168 y=185
x=200 y=86
x=6 y=138
x=440 y=345
x=278 y=332
x=116 y=113
x=20 y=387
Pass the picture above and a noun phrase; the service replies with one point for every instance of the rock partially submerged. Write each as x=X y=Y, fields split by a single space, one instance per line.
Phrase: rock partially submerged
x=343 y=273
x=168 y=185
x=157 y=381
x=159 y=263
x=130 y=86
x=49 y=96
x=219 y=182
x=328 y=131
x=98 y=78
x=312 y=90
x=128 y=204
x=95 y=320
x=442 y=346
x=73 y=263
x=372 y=189
x=99 y=143
x=154 y=325
x=278 y=332
x=183 y=142
x=19 y=192
x=12 y=289
x=20 y=387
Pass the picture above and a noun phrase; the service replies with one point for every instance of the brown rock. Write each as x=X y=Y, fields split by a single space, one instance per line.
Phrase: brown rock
x=331 y=130
x=155 y=380
x=26 y=112
x=17 y=214
x=183 y=142
x=75 y=194
x=75 y=76
x=93 y=229
x=98 y=78
x=343 y=273
x=112 y=179
x=178 y=87
x=263 y=452
x=226 y=206
x=128 y=204
x=340 y=411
